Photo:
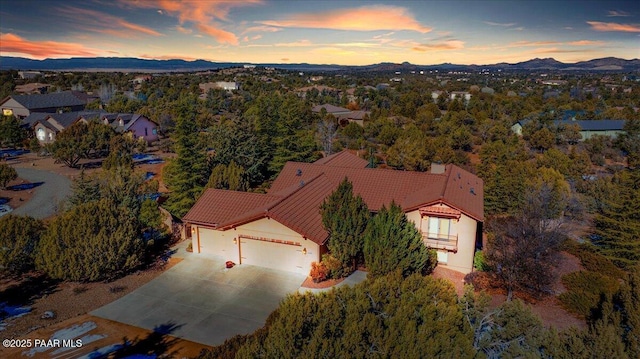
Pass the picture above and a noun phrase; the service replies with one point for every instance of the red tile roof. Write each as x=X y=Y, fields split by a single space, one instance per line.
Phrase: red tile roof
x=343 y=159
x=297 y=193
x=217 y=206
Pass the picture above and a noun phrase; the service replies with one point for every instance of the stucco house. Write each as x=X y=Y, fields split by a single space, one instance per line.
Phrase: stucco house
x=22 y=106
x=282 y=229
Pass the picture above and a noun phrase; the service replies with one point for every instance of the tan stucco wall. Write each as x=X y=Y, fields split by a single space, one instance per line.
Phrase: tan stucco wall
x=465 y=228
x=48 y=132
x=221 y=243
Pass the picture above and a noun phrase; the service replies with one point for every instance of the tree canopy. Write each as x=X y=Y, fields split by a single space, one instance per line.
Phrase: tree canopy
x=393 y=243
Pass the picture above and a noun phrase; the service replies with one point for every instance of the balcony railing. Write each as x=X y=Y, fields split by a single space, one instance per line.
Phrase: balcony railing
x=441 y=241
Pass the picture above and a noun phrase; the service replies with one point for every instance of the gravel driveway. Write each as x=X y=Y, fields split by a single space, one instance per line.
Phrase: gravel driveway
x=47 y=197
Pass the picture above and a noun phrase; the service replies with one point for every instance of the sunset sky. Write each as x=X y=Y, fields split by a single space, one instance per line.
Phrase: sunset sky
x=322 y=32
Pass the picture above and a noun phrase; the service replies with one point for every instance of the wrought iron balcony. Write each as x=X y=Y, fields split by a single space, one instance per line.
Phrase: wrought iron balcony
x=441 y=241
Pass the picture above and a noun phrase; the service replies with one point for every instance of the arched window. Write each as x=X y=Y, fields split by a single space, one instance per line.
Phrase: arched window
x=41 y=134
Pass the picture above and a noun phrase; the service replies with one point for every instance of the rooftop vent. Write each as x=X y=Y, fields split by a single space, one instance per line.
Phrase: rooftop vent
x=301 y=183
x=473 y=191
x=298 y=172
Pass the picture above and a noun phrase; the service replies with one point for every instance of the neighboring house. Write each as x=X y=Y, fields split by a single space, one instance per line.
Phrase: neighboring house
x=343 y=116
x=220 y=85
x=353 y=116
x=47 y=125
x=283 y=229
x=463 y=95
x=588 y=128
x=331 y=109
x=435 y=95
x=32 y=88
x=22 y=106
x=138 y=125
x=29 y=74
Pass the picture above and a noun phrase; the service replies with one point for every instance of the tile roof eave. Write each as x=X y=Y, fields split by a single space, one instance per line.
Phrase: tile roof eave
x=448 y=203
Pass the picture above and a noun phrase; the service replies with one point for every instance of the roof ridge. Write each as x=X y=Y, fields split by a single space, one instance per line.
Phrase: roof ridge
x=284 y=197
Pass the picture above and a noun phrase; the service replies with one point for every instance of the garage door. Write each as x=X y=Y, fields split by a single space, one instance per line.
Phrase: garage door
x=218 y=243
x=274 y=255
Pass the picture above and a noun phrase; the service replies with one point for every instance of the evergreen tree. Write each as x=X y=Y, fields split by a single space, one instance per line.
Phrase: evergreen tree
x=11 y=132
x=7 y=174
x=19 y=238
x=71 y=144
x=84 y=189
x=618 y=224
x=393 y=243
x=91 y=242
x=187 y=174
x=391 y=317
x=345 y=218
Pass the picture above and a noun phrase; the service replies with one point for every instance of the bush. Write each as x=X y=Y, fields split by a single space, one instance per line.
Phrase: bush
x=19 y=237
x=593 y=261
x=585 y=289
x=479 y=263
x=319 y=272
x=93 y=241
x=7 y=174
x=333 y=265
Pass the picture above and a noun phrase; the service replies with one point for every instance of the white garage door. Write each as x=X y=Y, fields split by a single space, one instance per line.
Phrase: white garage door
x=274 y=255
x=218 y=243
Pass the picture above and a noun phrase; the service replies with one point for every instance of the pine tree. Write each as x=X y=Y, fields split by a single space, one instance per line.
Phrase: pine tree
x=189 y=171
x=618 y=224
x=345 y=217
x=393 y=243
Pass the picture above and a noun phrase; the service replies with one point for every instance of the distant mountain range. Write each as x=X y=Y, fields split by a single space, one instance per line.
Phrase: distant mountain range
x=128 y=64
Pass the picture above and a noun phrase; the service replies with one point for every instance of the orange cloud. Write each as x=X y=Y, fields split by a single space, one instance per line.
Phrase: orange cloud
x=370 y=18
x=585 y=43
x=95 y=21
x=204 y=14
x=301 y=43
x=445 y=45
x=612 y=26
x=12 y=43
x=555 y=50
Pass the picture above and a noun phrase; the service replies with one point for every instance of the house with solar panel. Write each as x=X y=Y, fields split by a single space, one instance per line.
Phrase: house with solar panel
x=283 y=229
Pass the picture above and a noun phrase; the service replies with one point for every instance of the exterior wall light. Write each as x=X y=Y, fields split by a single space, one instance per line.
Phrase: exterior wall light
x=304 y=251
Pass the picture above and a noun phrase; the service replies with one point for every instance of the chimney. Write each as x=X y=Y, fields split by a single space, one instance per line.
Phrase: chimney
x=437 y=168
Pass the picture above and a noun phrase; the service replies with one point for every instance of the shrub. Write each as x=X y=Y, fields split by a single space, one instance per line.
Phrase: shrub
x=333 y=265
x=585 y=288
x=592 y=260
x=319 y=272
x=91 y=242
x=7 y=174
x=479 y=263
x=19 y=237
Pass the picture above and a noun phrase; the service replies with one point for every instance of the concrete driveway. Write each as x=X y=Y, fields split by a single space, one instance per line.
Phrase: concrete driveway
x=48 y=196
x=207 y=303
